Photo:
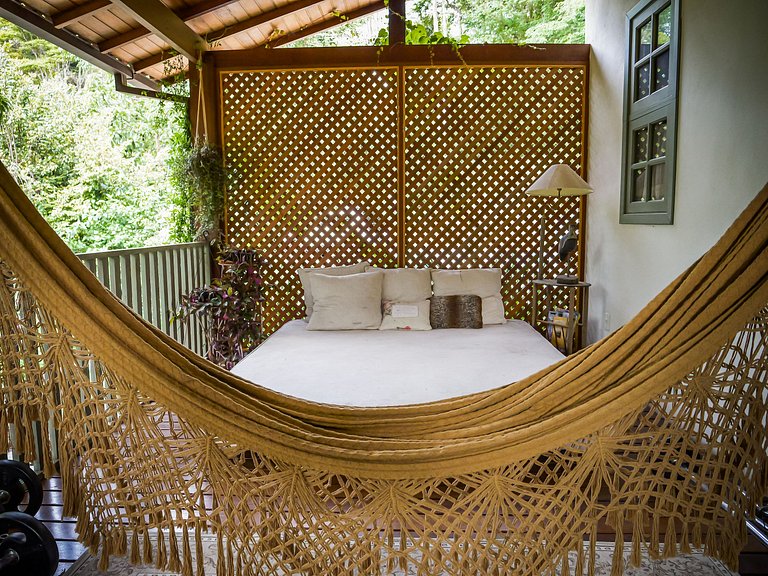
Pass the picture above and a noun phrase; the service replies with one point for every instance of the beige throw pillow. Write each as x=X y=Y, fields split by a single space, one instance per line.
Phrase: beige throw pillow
x=483 y=282
x=351 y=302
x=330 y=271
x=405 y=284
x=405 y=297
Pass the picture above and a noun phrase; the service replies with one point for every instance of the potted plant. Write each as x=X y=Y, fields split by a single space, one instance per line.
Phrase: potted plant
x=229 y=307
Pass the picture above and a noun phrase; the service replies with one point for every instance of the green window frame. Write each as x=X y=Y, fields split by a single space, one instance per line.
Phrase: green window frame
x=650 y=112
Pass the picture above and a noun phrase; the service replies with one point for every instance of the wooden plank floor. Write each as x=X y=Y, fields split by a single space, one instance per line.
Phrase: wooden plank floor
x=63 y=529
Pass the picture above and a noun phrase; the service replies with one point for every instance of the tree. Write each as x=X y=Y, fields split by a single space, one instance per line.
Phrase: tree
x=92 y=160
x=523 y=21
x=489 y=21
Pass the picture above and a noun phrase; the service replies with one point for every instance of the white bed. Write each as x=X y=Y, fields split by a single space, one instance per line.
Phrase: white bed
x=394 y=367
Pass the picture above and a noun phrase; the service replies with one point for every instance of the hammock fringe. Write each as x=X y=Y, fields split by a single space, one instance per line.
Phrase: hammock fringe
x=651 y=430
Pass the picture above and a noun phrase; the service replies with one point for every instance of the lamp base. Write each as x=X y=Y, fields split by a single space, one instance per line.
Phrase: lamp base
x=565 y=279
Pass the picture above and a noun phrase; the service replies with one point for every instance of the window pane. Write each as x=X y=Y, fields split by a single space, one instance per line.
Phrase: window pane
x=638 y=185
x=661 y=70
x=659 y=131
x=641 y=81
x=641 y=145
x=644 y=36
x=657 y=181
x=664 y=33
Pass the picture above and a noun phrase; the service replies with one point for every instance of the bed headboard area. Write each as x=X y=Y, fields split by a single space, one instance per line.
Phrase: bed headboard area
x=401 y=159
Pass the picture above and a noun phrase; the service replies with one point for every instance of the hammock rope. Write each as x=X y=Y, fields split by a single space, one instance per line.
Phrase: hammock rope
x=655 y=426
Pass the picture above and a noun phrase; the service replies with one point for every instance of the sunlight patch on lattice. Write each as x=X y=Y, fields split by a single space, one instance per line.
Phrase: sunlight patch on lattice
x=314 y=172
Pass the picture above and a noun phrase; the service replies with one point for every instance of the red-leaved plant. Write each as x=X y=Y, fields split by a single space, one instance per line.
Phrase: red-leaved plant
x=230 y=307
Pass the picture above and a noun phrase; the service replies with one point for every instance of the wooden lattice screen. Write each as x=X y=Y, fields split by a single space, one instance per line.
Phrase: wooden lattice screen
x=401 y=165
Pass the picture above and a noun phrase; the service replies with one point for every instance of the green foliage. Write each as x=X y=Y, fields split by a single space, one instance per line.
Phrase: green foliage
x=230 y=307
x=422 y=34
x=467 y=21
x=522 y=21
x=33 y=54
x=92 y=160
x=350 y=33
x=181 y=223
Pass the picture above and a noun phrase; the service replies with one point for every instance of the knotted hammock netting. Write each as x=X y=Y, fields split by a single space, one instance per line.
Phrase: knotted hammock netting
x=658 y=432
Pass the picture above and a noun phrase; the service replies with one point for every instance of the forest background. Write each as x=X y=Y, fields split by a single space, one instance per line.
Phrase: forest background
x=104 y=167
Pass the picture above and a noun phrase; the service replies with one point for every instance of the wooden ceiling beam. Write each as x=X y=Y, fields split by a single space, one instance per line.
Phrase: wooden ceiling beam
x=37 y=24
x=262 y=58
x=67 y=17
x=257 y=20
x=125 y=38
x=326 y=24
x=166 y=25
x=153 y=60
x=204 y=8
x=187 y=14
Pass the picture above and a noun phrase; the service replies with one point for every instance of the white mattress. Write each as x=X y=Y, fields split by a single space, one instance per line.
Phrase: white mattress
x=394 y=367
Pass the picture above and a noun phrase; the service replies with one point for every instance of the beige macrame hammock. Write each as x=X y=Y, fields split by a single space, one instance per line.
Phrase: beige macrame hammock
x=649 y=431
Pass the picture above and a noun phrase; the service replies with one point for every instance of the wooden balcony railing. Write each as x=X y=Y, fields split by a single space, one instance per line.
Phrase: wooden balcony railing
x=151 y=281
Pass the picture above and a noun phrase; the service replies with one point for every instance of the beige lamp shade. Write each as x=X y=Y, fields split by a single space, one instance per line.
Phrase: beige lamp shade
x=559 y=180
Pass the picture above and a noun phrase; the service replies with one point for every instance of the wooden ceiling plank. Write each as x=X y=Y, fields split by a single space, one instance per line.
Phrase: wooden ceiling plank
x=67 y=17
x=96 y=27
x=263 y=18
x=204 y=7
x=165 y=24
x=123 y=39
x=38 y=25
x=330 y=23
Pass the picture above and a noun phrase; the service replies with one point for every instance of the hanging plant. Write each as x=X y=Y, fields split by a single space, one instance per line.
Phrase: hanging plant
x=205 y=176
x=199 y=174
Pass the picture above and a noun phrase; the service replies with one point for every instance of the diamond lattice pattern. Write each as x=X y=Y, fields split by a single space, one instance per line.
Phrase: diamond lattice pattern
x=316 y=180
x=475 y=140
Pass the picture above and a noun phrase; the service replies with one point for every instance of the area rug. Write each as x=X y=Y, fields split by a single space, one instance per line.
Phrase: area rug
x=695 y=564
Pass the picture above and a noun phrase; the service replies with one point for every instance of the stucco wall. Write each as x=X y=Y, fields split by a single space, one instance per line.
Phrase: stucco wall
x=722 y=157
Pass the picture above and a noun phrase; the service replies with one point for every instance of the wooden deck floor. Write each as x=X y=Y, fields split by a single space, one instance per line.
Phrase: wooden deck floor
x=63 y=529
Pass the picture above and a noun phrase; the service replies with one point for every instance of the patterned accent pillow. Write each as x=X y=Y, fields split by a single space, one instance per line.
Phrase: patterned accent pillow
x=460 y=311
